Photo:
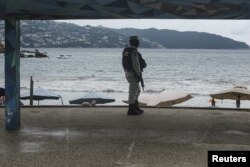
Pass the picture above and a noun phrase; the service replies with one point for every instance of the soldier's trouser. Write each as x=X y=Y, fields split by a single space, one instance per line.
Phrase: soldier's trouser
x=134 y=89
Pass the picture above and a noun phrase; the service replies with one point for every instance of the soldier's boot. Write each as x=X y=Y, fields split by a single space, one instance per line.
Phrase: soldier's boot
x=132 y=110
x=138 y=109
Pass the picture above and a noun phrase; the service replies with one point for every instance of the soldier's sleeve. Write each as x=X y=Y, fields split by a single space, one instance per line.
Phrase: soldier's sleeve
x=136 y=63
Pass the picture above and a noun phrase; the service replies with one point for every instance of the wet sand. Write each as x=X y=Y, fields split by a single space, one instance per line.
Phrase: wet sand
x=107 y=137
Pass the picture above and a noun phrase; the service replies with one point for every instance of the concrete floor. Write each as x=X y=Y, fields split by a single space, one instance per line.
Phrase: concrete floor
x=107 y=137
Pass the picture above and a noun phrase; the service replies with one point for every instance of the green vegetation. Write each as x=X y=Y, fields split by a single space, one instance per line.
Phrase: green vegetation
x=51 y=34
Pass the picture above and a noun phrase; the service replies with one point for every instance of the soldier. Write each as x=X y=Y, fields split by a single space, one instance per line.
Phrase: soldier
x=131 y=59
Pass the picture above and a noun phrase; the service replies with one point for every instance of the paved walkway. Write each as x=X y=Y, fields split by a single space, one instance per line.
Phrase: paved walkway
x=107 y=137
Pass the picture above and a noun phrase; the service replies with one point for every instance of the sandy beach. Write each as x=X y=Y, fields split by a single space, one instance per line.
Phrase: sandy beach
x=106 y=137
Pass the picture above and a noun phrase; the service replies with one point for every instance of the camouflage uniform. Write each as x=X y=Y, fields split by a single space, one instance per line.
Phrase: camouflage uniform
x=132 y=77
x=132 y=63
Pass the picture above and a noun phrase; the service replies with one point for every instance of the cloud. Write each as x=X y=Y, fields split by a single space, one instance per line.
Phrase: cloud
x=242 y=29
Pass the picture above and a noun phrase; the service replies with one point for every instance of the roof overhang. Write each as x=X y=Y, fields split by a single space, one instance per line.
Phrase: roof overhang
x=129 y=9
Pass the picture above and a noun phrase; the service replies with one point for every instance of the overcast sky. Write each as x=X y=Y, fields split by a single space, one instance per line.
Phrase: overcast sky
x=235 y=29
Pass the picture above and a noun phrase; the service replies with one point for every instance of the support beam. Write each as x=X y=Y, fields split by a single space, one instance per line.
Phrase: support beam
x=12 y=73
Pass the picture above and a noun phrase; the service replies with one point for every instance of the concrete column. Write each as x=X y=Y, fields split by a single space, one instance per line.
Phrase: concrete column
x=12 y=73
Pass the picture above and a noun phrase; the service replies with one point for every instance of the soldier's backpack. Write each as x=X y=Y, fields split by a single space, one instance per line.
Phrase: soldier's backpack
x=127 y=60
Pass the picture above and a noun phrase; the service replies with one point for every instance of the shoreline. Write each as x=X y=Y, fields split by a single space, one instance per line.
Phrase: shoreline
x=196 y=101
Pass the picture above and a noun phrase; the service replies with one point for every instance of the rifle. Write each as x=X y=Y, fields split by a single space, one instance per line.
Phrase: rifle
x=142 y=83
x=140 y=79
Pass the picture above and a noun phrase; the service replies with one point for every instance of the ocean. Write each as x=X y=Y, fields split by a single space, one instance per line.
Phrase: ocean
x=198 y=72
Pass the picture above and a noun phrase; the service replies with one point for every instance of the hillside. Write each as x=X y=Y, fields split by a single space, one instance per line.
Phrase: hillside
x=185 y=40
x=54 y=34
x=51 y=34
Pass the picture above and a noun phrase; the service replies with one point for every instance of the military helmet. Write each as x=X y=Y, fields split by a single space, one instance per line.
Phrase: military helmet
x=133 y=38
x=134 y=41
